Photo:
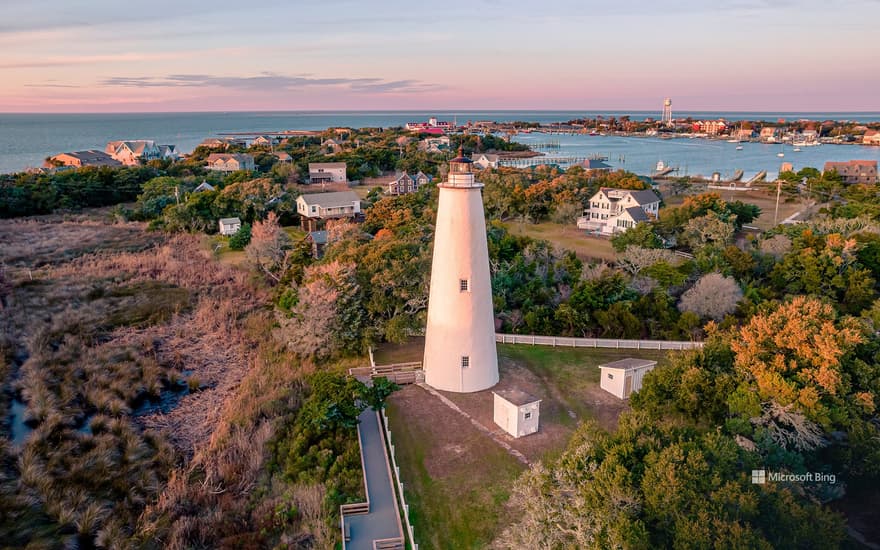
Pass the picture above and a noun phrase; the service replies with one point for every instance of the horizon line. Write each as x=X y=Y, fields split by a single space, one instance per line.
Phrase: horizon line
x=444 y=111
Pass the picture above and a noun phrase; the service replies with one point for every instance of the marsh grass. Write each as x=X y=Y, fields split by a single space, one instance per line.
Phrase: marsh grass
x=102 y=319
x=104 y=316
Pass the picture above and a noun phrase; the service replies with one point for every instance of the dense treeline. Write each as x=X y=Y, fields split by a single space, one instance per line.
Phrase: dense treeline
x=27 y=194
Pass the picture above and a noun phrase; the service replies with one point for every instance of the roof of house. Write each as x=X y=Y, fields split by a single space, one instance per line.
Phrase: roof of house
x=136 y=146
x=326 y=165
x=400 y=176
x=517 y=397
x=489 y=157
x=204 y=186
x=637 y=214
x=93 y=157
x=644 y=196
x=318 y=237
x=330 y=200
x=630 y=363
x=868 y=163
x=230 y=221
x=225 y=157
x=595 y=164
x=282 y=156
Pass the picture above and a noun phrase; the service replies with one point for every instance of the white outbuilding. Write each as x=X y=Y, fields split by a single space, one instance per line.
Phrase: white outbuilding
x=622 y=378
x=229 y=226
x=516 y=412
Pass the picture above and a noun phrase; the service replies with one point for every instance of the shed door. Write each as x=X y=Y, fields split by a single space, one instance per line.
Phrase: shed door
x=627 y=386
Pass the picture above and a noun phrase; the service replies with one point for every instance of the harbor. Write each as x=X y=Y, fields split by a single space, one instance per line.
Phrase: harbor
x=694 y=157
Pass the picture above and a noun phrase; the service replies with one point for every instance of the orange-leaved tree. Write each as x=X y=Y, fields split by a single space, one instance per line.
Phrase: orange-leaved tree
x=801 y=354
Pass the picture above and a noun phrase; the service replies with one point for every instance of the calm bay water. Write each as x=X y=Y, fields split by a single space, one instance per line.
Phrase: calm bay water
x=697 y=156
x=27 y=139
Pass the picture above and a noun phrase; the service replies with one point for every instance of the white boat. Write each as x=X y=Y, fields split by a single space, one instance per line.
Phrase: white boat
x=739 y=147
x=780 y=155
x=797 y=149
x=732 y=141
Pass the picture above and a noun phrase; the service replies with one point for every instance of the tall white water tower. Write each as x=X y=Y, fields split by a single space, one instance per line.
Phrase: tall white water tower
x=460 y=351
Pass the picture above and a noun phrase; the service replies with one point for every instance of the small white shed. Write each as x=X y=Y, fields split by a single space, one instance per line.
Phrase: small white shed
x=516 y=412
x=229 y=226
x=622 y=378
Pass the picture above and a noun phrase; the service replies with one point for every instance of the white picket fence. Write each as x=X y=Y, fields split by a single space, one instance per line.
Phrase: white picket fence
x=565 y=341
x=399 y=483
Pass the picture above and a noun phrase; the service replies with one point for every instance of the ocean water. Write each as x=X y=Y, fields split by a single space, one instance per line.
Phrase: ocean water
x=27 y=139
x=697 y=157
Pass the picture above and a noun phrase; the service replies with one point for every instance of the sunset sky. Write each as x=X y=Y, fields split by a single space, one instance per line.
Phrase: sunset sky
x=164 y=55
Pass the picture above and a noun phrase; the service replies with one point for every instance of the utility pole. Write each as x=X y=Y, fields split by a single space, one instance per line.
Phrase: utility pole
x=177 y=193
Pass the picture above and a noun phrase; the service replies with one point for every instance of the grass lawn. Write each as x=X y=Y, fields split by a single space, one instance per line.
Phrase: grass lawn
x=295 y=233
x=760 y=197
x=410 y=351
x=570 y=376
x=456 y=480
x=455 y=477
x=567 y=237
x=218 y=245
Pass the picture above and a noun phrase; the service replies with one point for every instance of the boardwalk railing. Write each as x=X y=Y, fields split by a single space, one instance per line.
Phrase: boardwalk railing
x=398 y=484
x=357 y=508
x=565 y=341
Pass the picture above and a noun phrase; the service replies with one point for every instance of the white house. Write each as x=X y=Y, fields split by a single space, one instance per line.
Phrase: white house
x=265 y=141
x=516 y=412
x=315 y=208
x=327 y=172
x=616 y=210
x=229 y=226
x=484 y=161
x=435 y=144
x=622 y=378
x=229 y=162
x=132 y=152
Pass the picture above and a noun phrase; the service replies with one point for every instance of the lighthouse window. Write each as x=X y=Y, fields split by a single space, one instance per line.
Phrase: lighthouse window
x=465 y=361
x=463 y=285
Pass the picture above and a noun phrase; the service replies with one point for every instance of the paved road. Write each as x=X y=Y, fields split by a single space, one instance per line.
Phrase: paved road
x=382 y=522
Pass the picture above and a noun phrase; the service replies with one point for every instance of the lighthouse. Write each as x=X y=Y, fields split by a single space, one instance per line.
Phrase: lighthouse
x=460 y=351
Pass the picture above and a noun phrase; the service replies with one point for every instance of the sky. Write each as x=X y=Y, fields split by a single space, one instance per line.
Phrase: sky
x=229 y=55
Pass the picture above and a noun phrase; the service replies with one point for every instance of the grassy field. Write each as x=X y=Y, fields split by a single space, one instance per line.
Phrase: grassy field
x=762 y=198
x=566 y=237
x=456 y=480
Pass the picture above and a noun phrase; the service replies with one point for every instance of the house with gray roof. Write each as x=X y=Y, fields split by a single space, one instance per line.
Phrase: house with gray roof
x=315 y=209
x=79 y=159
x=616 y=210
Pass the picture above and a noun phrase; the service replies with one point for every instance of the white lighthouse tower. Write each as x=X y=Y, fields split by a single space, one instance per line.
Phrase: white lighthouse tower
x=460 y=338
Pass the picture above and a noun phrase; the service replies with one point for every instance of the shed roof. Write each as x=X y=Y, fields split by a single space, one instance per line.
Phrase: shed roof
x=230 y=221
x=630 y=363
x=517 y=397
x=318 y=237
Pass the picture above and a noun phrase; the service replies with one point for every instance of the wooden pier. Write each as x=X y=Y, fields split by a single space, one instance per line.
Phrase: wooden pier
x=540 y=161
